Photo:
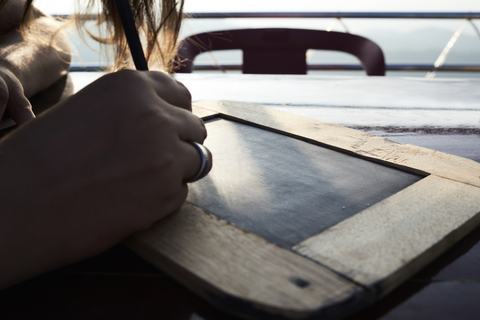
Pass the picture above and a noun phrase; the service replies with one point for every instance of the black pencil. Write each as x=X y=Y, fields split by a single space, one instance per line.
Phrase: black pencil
x=131 y=33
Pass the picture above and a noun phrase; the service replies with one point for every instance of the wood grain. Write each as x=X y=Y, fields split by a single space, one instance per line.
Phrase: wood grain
x=407 y=157
x=242 y=272
x=390 y=241
x=334 y=273
x=203 y=113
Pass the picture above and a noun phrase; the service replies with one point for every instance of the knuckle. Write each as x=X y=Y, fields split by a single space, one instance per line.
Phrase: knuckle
x=171 y=90
x=161 y=77
x=125 y=73
x=185 y=90
x=203 y=129
x=123 y=77
x=204 y=134
x=182 y=99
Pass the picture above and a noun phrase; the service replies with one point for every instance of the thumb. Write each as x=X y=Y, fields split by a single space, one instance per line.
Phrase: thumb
x=19 y=106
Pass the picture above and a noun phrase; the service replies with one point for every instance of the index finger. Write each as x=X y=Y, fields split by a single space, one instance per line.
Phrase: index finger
x=170 y=90
x=189 y=126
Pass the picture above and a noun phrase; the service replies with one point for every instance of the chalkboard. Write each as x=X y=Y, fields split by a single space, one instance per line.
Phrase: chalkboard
x=301 y=219
x=284 y=189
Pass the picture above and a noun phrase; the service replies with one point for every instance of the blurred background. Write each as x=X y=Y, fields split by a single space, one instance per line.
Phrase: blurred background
x=404 y=41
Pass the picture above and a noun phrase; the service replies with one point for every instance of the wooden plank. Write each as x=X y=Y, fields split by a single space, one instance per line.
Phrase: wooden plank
x=338 y=271
x=390 y=241
x=407 y=157
x=243 y=273
x=203 y=113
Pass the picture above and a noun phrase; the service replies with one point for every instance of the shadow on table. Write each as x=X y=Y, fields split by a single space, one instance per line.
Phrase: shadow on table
x=453 y=272
x=119 y=285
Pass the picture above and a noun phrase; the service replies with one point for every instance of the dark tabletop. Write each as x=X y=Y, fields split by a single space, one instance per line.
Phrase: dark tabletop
x=120 y=285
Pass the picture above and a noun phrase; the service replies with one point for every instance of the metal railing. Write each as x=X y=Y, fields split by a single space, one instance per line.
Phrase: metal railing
x=332 y=67
x=438 y=65
x=337 y=15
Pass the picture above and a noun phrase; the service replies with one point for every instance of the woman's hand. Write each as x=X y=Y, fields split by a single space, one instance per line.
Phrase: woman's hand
x=97 y=167
x=12 y=98
x=30 y=62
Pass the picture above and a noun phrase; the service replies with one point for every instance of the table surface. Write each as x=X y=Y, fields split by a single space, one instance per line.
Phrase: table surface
x=441 y=114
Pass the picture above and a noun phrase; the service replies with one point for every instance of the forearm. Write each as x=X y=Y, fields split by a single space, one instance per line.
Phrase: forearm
x=35 y=221
x=36 y=59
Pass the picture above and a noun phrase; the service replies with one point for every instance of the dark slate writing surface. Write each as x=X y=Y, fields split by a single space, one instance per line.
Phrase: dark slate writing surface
x=284 y=189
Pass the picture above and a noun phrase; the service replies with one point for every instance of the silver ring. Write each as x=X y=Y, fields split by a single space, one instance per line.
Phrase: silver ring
x=206 y=164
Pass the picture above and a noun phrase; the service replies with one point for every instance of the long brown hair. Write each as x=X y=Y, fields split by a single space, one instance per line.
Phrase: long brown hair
x=158 y=21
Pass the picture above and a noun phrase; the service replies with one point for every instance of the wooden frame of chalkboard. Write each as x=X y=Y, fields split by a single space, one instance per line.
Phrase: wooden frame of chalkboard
x=339 y=271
